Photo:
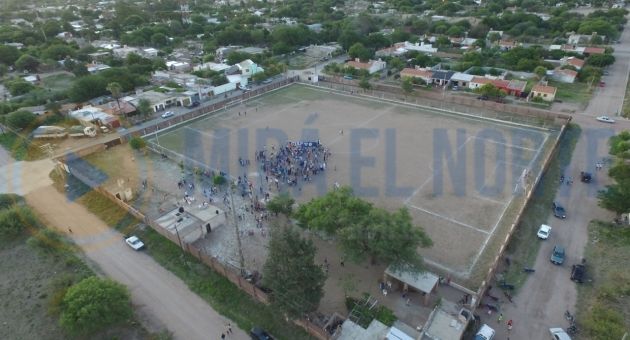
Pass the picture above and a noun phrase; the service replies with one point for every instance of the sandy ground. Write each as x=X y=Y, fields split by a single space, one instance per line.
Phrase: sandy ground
x=161 y=299
x=456 y=175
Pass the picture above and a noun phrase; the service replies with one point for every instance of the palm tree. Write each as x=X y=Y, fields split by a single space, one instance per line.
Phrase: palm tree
x=116 y=90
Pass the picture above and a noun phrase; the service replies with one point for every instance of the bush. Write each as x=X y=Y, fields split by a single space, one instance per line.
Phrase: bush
x=8 y=200
x=14 y=220
x=219 y=180
x=48 y=241
x=137 y=143
x=21 y=119
x=94 y=304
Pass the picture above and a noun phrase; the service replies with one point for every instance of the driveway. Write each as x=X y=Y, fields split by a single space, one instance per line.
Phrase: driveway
x=549 y=292
x=160 y=298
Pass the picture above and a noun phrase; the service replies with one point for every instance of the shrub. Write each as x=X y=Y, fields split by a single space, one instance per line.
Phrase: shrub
x=219 y=180
x=14 y=220
x=137 y=143
x=94 y=304
x=21 y=119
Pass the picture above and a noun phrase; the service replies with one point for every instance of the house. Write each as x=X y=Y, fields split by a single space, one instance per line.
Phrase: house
x=371 y=66
x=315 y=27
x=95 y=68
x=594 y=50
x=178 y=66
x=123 y=52
x=223 y=52
x=404 y=47
x=516 y=87
x=461 y=79
x=420 y=73
x=34 y=79
x=478 y=82
x=442 y=77
x=506 y=44
x=93 y=116
x=248 y=68
x=546 y=93
x=573 y=61
x=159 y=101
x=564 y=75
x=150 y=52
x=217 y=67
x=99 y=56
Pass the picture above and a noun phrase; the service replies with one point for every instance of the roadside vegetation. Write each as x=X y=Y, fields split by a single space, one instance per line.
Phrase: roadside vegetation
x=48 y=291
x=524 y=245
x=604 y=299
x=225 y=297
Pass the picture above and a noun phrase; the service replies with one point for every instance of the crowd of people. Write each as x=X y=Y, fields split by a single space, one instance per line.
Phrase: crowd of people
x=293 y=162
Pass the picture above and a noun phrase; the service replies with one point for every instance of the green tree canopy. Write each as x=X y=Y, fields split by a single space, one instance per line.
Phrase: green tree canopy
x=366 y=232
x=620 y=145
x=21 y=119
x=281 y=204
x=94 y=304
x=407 y=85
x=137 y=143
x=19 y=86
x=333 y=211
x=291 y=273
x=144 y=107
x=14 y=220
x=359 y=51
x=27 y=62
x=8 y=54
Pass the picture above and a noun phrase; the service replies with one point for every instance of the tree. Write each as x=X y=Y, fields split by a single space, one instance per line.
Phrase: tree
x=290 y=272
x=366 y=232
x=144 y=107
x=540 y=72
x=359 y=51
x=8 y=54
x=137 y=143
x=332 y=211
x=364 y=83
x=601 y=60
x=14 y=220
x=159 y=39
x=620 y=145
x=88 y=87
x=281 y=204
x=490 y=91
x=21 y=119
x=94 y=304
x=27 y=62
x=616 y=197
x=19 y=86
x=116 y=90
x=388 y=237
x=407 y=85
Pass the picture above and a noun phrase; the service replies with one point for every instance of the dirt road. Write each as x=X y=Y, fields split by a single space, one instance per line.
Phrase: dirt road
x=549 y=292
x=161 y=299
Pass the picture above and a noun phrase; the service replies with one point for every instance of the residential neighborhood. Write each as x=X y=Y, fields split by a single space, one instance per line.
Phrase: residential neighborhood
x=314 y=170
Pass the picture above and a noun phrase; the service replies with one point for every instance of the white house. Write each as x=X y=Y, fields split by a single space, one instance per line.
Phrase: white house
x=564 y=75
x=546 y=93
x=150 y=52
x=217 y=67
x=124 y=51
x=371 y=66
x=179 y=66
x=461 y=79
x=248 y=68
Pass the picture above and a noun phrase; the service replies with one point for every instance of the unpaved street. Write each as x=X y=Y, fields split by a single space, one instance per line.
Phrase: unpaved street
x=161 y=299
x=549 y=292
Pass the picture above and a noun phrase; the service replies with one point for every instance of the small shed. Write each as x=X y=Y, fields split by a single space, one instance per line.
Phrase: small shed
x=424 y=282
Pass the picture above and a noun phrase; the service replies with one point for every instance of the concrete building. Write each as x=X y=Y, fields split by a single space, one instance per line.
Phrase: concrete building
x=573 y=61
x=123 y=52
x=564 y=75
x=248 y=68
x=178 y=66
x=192 y=221
x=371 y=66
x=546 y=93
x=90 y=116
x=421 y=73
x=461 y=79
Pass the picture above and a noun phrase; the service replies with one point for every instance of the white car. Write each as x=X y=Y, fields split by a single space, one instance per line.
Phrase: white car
x=543 y=232
x=485 y=333
x=605 y=119
x=134 y=242
x=167 y=114
x=559 y=334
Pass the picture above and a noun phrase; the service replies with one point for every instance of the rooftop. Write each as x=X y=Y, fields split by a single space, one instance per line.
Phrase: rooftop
x=544 y=89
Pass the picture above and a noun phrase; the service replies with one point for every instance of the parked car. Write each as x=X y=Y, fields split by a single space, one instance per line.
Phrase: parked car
x=267 y=81
x=557 y=255
x=586 y=177
x=482 y=98
x=559 y=334
x=195 y=104
x=602 y=83
x=605 y=119
x=134 y=242
x=167 y=114
x=578 y=271
x=347 y=77
x=485 y=333
x=543 y=232
x=558 y=211
x=258 y=333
